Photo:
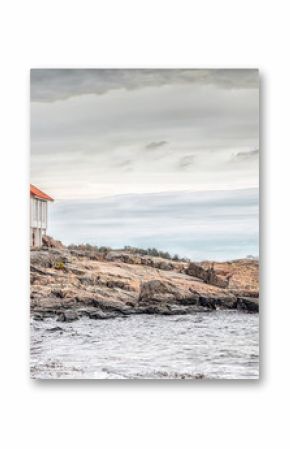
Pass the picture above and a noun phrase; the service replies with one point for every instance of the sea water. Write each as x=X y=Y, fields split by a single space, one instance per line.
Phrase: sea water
x=212 y=345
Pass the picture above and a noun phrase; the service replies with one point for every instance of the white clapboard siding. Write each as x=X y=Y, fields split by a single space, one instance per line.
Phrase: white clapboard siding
x=38 y=220
x=38 y=213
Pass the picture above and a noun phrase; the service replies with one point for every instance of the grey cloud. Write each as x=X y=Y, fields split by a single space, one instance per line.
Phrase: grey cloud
x=154 y=145
x=143 y=139
x=59 y=84
x=126 y=165
x=186 y=161
x=94 y=146
x=202 y=118
x=245 y=155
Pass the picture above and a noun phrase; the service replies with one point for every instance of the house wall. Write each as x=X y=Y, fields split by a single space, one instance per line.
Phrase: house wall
x=36 y=237
x=38 y=213
x=38 y=220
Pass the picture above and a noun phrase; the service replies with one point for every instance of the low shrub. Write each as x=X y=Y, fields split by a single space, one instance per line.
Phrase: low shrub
x=59 y=265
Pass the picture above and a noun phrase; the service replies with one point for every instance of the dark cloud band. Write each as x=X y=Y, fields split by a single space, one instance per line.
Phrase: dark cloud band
x=59 y=84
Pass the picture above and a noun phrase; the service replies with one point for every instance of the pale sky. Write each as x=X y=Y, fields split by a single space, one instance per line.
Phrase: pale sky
x=165 y=158
x=96 y=133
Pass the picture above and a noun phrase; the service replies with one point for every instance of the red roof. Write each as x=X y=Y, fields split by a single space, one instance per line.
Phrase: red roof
x=34 y=191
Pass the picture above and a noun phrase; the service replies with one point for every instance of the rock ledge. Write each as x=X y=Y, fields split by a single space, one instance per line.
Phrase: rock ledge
x=71 y=283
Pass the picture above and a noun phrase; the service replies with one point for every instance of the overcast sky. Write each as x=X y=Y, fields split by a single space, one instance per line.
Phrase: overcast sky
x=125 y=153
x=103 y=132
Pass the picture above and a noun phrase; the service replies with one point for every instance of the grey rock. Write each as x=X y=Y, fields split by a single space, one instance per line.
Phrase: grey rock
x=101 y=315
x=38 y=317
x=68 y=316
x=54 y=329
x=248 y=304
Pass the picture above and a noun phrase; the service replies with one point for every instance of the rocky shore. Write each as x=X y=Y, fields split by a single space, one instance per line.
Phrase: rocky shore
x=71 y=283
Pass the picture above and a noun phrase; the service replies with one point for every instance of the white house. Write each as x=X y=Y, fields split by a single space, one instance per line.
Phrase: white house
x=38 y=215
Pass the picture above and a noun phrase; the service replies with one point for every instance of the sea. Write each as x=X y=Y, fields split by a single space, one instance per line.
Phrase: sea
x=206 y=345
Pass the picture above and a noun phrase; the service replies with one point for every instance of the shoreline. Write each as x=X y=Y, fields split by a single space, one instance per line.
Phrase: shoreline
x=246 y=305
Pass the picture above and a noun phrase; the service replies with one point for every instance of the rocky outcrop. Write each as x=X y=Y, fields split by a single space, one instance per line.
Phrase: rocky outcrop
x=71 y=283
x=49 y=242
x=149 y=261
x=209 y=274
x=241 y=277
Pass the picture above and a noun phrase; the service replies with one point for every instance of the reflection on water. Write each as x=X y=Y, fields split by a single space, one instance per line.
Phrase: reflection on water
x=216 y=345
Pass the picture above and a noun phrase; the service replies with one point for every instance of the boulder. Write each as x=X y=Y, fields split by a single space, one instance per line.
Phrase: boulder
x=68 y=316
x=196 y=270
x=219 y=278
x=49 y=242
x=158 y=290
x=102 y=315
x=248 y=304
